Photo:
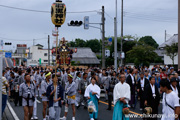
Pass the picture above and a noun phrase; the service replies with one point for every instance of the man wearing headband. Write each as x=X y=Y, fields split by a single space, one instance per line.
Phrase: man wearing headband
x=70 y=91
x=44 y=85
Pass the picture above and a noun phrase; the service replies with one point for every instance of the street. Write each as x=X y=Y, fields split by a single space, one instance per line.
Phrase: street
x=81 y=114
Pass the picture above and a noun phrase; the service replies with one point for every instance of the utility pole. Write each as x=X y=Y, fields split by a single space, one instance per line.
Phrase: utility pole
x=1 y=68
x=178 y=34
x=165 y=35
x=115 y=38
x=103 y=38
x=33 y=42
x=121 y=31
x=48 y=51
x=115 y=44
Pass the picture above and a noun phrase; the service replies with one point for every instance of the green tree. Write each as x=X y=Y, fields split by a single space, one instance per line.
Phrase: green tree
x=80 y=42
x=141 y=55
x=172 y=51
x=94 y=44
x=148 y=40
x=71 y=44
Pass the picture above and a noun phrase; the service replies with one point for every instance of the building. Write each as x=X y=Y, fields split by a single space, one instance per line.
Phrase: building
x=37 y=54
x=170 y=41
x=85 y=56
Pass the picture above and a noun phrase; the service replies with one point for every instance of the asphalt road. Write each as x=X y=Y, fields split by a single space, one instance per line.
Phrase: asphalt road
x=7 y=62
x=81 y=113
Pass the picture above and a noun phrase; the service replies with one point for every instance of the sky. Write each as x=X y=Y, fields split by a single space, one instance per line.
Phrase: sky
x=141 y=18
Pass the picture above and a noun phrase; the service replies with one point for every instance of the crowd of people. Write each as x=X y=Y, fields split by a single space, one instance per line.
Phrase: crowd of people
x=78 y=87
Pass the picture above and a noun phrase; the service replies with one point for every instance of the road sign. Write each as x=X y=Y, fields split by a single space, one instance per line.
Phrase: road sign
x=86 y=22
x=39 y=61
x=110 y=39
x=8 y=55
x=107 y=53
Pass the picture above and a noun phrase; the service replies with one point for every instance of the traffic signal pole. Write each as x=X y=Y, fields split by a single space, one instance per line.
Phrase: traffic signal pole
x=103 y=38
x=178 y=34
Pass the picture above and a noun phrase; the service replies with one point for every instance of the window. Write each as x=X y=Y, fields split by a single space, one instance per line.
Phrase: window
x=45 y=60
x=45 y=54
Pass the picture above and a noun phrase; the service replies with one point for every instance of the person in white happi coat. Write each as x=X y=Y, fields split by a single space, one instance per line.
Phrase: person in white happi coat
x=44 y=85
x=121 y=97
x=78 y=94
x=35 y=80
x=27 y=91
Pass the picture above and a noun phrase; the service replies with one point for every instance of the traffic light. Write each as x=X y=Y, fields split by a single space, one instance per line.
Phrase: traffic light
x=8 y=43
x=58 y=13
x=75 y=23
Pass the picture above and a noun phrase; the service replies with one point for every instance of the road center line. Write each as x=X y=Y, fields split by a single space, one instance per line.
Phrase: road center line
x=113 y=106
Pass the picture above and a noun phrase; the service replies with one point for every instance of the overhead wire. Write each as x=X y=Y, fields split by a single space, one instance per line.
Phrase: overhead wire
x=31 y=10
x=10 y=39
x=149 y=18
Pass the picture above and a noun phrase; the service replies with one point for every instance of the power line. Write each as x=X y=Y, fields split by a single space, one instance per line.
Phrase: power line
x=109 y=16
x=143 y=18
x=40 y=11
x=10 y=39
x=150 y=16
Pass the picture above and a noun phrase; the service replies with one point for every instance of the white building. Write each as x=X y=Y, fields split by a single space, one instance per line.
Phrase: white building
x=170 y=41
x=36 y=53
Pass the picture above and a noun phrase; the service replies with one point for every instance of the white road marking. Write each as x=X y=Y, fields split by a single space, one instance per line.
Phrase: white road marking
x=12 y=111
x=38 y=101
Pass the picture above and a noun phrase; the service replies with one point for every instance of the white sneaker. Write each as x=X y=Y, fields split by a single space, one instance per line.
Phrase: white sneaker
x=35 y=118
x=63 y=118
x=47 y=116
x=92 y=119
x=73 y=118
x=44 y=118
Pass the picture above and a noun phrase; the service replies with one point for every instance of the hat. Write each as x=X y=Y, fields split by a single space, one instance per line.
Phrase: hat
x=164 y=69
x=173 y=79
x=70 y=75
x=171 y=68
x=49 y=73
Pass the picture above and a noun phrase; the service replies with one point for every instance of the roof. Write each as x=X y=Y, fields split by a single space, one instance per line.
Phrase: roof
x=85 y=56
x=170 y=41
x=160 y=52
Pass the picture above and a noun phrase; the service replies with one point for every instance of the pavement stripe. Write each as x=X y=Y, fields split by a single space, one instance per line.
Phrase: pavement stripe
x=38 y=101
x=6 y=62
x=12 y=111
x=113 y=106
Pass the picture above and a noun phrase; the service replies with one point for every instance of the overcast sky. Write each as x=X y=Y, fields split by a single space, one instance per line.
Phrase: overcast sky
x=141 y=18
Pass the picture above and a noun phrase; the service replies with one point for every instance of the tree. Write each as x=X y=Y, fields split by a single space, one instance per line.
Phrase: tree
x=141 y=55
x=94 y=44
x=80 y=43
x=71 y=44
x=172 y=51
x=148 y=40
